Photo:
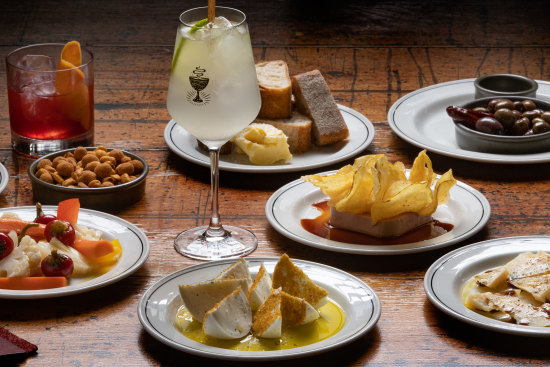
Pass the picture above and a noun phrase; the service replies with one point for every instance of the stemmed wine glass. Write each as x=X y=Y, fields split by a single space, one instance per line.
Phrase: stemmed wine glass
x=213 y=94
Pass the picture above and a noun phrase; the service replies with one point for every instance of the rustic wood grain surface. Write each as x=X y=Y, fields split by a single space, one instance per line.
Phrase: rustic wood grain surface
x=371 y=53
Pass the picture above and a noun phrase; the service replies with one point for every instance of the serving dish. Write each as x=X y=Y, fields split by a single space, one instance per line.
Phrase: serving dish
x=101 y=198
x=498 y=85
x=467 y=209
x=134 y=243
x=420 y=119
x=361 y=134
x=474 y=140
x=159 y=304
x=445 y=278
x=4 y=177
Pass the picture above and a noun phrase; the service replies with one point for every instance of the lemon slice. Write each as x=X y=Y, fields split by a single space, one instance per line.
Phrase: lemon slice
x=199 y=24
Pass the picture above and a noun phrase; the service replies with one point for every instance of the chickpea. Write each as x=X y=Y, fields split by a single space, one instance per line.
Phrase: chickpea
x=103 y=170
x=57 y=160
x=116 y=154
x=46 y=177
x=86 y=177
x=126 y=167
x=138 y=166
x=92 y=165
x=90 y=157
x=65 y=169
x=94 y=183
x=43 y=163
x=79 y=153
x=107 y=184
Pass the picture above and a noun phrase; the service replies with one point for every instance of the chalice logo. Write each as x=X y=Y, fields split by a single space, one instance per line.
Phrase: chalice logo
x=198 y=82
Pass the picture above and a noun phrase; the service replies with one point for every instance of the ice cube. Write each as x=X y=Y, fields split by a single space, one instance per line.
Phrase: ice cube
x=45 y=88
x=36 y=62
x=220 y=23
x=213 y=29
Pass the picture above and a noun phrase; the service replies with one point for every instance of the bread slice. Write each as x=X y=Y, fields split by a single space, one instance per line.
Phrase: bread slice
x=313 y=98
x=297 y=128
x=295 y=282
x=275 y=89
x=268 y=320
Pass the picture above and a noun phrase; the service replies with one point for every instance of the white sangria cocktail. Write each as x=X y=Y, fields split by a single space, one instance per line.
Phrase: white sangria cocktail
x=213 y=94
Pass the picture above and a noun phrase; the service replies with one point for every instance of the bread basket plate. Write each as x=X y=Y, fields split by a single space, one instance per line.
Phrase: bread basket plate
x=420 y=118
x=134 y=243
x=361 y=134
x=446 y=277
x=159 y=304
x=467 y=210
x=4 y=177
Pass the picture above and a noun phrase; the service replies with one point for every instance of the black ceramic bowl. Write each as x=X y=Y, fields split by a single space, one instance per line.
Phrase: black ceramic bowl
x=499 y=85
x=474 y=140
x=101 y=198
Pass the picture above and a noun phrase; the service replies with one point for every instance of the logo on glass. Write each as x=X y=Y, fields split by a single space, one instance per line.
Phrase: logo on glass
x=198 y=82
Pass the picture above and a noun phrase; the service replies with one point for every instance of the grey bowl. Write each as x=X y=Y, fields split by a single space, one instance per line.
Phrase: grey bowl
x=100 y=198
x=499 y=85
x=477 y=141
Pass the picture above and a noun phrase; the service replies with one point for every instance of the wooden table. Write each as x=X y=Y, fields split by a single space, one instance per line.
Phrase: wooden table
x=371 y=54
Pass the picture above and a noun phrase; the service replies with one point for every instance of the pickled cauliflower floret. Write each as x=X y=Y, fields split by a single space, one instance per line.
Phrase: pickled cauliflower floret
x=23 y=261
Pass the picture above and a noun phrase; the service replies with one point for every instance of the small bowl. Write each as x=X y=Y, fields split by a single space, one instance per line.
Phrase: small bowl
x=477 y=141
x=100 y=198
x=498 y=85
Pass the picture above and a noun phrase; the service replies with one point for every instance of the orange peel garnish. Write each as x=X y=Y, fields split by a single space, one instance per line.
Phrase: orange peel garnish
x=71 y=53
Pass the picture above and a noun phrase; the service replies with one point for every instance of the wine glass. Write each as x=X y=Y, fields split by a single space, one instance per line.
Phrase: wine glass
x=213 y=94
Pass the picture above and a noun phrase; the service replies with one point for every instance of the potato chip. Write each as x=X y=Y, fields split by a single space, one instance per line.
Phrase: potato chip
x=373 y=185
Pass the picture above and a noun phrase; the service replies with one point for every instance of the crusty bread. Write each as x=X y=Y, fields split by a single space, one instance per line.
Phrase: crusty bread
x=275 y=89
x=313 y=98
x=297 y=128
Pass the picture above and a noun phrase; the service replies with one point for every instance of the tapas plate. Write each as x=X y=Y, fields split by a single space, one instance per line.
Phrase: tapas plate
x=361 y=134
x=444 y=280
x=134 y=243
x=467 y=210
x=4 y=177
x=158 y=307
x=420 y=119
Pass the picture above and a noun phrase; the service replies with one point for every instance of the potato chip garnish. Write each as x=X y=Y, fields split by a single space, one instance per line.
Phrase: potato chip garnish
x=373 y=185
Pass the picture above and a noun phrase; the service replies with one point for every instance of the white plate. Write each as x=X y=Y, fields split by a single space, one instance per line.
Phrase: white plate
x=467 y=209
x=444 y=280
x=361 y=134
x=134 y=243
x=4 y=177
x=420 y=118
x=158 y=307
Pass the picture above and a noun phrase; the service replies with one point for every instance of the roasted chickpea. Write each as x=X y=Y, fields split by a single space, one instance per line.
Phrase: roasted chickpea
x=57 y=160
x=94 y=183
x=138 y=166
x=79 y=153
x=86 y=177
x=90 y=157
x=43 y=163
x=103 y=170
x=46 y=177
x=126 y=167
x=116 y=154
x=92 y=165
x=65 y=169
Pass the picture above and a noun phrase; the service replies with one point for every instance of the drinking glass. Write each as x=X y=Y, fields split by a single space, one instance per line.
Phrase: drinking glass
x=50 y=109
x=213 y=94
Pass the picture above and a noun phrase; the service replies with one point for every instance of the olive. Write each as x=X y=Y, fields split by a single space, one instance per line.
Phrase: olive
x=489 y=125
x=528 y=104
x=517 y=114
x=518 y=106
x=531 y=114
x=492 y=103
x=505 y=103
x=481 y=109
x=505 y=117
x=545 y=116
x=540 y=126
x=521 y=126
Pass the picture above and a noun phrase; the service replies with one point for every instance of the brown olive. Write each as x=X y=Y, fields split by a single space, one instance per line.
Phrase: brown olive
x=489 y=125
x=517 y=114
x=546 y=116
x=531 y=114
x=528 y=104
x=505 y=103
x=518 y=106
x=505 y=117
x=521 y=126
x=540 y=126
x=492 y=103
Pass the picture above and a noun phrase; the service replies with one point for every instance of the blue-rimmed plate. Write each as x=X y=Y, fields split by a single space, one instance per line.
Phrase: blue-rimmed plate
x=134 y=243
x=361 y=134
x=158 y=307
x=467 y=210
x=446 y=277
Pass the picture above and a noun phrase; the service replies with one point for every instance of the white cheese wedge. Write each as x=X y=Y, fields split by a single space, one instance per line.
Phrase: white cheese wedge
x=392 y=227
x=260 y=289
x=201 y=297
x=236 y=271
x=268 y=320
x=528 y=264
x=509 y=302
x=297 y=311
x=492 y=278
x=231 y=318
x=294 y=281
x=538 y=286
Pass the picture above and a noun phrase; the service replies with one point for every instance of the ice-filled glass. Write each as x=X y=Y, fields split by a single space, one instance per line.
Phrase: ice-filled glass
x=213 y=94
x=51 y=101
